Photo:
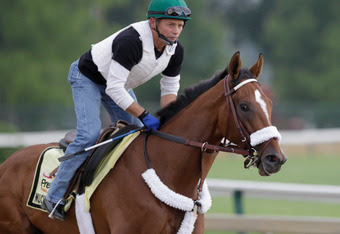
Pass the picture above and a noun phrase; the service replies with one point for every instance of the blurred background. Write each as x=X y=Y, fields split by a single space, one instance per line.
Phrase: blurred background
x=299 y=40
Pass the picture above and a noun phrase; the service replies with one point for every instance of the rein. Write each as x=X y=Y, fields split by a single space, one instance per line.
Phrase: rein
x=202 y=145
x=250 y=153
x=208 y=155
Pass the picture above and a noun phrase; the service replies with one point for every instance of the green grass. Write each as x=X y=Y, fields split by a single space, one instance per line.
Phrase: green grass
x=6 y=152
x=312 y=169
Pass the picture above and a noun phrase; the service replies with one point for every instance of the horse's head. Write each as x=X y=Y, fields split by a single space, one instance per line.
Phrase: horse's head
x=249 y=117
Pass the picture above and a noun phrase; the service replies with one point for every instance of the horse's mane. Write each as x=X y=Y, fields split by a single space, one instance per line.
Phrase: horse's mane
x=191 y=93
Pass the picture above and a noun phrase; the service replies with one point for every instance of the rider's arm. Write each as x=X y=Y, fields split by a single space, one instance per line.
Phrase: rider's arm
x=135 y=109
x=127 y=51
x=171 y=77
x=166 y=99
x=115 y=83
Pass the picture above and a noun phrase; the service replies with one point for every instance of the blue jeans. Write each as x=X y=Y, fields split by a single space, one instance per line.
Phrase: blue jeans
x=88 y=97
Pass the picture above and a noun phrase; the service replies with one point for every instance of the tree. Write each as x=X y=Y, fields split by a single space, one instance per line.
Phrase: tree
x=304 y=48
x=299 y=39
x=40 y=39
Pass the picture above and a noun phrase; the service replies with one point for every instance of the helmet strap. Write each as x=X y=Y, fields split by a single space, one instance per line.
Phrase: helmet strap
x=161 y=36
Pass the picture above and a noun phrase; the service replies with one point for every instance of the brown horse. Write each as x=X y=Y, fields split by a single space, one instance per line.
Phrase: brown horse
x=123 y=202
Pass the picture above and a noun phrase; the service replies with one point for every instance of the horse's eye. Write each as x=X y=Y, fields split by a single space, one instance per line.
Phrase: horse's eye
x=244 y=107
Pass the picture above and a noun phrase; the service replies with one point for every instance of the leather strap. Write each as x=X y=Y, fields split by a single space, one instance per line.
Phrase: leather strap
x=207 y=159
x=206 y=146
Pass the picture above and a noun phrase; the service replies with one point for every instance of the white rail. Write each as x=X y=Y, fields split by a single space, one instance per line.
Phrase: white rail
x=268 y=224
x=12 y=140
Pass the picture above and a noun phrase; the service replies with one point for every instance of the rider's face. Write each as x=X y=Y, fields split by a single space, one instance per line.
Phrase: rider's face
x=170 y=28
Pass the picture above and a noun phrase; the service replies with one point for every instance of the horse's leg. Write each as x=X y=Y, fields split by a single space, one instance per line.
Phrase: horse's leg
x=199 y=225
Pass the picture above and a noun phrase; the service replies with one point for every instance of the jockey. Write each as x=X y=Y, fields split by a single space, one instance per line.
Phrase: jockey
x=108 y=73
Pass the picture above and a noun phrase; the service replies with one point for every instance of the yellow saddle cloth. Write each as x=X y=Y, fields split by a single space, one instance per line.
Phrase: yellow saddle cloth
x=48 y=161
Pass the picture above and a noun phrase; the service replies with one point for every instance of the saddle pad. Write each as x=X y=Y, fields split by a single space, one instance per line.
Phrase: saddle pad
x=98 y=154
x=48 y=161
x=106 y=165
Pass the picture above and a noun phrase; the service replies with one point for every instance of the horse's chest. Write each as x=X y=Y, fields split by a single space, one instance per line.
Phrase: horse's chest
x=172 y=221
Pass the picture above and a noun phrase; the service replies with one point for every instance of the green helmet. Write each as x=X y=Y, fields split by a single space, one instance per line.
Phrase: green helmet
x=171 y=9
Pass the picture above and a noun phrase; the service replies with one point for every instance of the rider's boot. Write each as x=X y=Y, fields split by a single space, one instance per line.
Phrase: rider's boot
x=55 y=210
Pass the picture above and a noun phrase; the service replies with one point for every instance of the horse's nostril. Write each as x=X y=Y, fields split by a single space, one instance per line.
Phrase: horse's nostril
x=272 y=159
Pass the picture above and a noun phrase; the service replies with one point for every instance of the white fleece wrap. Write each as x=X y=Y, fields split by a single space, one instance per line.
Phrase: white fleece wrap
x=163 y=193
x=178 y=201
x=264 y=135
x=84 y=219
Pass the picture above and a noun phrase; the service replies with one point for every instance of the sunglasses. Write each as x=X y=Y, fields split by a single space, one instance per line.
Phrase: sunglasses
x=178 y=11
x=175 y=11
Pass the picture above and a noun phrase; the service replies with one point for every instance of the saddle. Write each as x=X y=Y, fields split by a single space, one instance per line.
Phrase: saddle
x=85 y=173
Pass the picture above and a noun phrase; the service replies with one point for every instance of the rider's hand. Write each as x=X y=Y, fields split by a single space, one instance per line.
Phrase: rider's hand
x=149 y=121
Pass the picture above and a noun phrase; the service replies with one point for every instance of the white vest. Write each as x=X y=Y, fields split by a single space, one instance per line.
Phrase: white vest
x=147 y=68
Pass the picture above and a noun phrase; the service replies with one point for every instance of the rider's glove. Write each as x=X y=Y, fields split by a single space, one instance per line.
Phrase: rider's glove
x=149 y=121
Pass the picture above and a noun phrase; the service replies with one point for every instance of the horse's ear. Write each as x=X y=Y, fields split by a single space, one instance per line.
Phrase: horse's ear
x=257 y=68
x=234 y=67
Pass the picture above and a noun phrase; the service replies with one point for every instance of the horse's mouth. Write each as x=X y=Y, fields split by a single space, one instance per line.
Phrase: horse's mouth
x=269 y=165
x=263 y=172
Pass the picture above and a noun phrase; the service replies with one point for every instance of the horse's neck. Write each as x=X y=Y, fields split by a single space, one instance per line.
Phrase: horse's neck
x=199 y=122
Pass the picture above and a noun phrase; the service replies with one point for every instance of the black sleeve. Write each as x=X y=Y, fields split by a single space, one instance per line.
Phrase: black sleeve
x=175 y=64
x=127 y=48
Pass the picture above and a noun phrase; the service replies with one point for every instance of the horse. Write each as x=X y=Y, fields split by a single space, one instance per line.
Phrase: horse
x=231 y=105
